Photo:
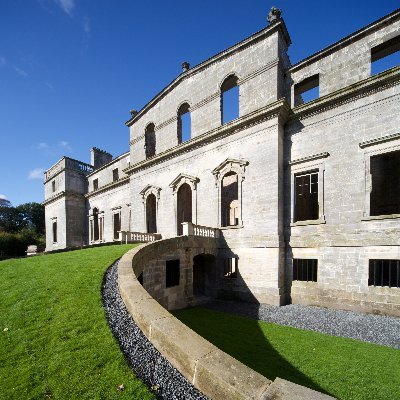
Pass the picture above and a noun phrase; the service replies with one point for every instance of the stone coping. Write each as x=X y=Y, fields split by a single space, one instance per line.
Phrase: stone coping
x=215 y=373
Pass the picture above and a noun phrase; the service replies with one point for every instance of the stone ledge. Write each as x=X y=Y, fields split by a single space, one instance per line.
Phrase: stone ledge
x=213 y=372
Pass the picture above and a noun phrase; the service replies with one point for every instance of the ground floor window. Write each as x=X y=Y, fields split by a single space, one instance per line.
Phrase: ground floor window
x=172 y=272
x=306 y=196
x=384 y=273
x=230 y=267
x=55 y=232
x=117 y=224
x=305 y=269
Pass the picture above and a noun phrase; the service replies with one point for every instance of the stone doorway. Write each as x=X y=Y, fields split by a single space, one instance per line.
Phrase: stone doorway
x=184 y=206
x=151 y=213
x=204 y=276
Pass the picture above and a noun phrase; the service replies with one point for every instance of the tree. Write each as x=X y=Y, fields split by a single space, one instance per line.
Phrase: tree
x=32 y=215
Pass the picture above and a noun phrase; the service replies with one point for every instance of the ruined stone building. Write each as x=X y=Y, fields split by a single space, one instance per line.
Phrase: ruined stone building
x=299 y=177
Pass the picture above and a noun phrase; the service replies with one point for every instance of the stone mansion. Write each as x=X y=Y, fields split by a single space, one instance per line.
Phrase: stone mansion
x=293 y=169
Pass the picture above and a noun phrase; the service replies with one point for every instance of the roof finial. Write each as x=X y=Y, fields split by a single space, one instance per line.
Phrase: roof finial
x=185 y=66
x=274 y=15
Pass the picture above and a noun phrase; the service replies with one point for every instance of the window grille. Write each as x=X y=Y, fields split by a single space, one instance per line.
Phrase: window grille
x=384 y=273
x=305 y=269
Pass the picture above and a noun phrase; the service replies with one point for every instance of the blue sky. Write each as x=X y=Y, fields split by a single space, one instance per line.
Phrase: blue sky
x=70 y=70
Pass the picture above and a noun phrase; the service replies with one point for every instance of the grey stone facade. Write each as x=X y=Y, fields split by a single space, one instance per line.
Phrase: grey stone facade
x=279 y=144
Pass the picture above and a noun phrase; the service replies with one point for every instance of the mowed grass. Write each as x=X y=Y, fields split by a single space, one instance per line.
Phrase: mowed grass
x=344 y=368
x=54 y=339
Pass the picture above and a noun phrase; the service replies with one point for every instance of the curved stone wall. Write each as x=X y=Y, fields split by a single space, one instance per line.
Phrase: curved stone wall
x=213 y=372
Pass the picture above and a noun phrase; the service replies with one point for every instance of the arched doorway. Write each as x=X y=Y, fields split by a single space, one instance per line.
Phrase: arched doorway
x=204 y=275
x=151 y=213
x=184 y=206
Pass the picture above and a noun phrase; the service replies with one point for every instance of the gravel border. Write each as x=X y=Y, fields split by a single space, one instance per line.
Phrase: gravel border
x=378 y=329
x=147 y=362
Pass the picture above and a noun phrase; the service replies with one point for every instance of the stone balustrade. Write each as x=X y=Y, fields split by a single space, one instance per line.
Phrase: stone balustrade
x=191 y=229
x=70 y=163
x=129 y=237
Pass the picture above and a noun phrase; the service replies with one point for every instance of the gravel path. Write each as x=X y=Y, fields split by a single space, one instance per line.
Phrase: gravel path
x=149 y=365
x=377 y=329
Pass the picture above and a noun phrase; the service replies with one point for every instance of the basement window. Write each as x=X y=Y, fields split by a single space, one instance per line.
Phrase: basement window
x=385 y=56
x=172 y=272
x=306 y=90
x=305 y=269
x=385 y=176
x=230 y=267
x=384 y=273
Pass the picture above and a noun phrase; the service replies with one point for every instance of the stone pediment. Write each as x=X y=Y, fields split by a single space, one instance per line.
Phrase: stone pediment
x=230 y=165
x=184 y=178
x=150 y=189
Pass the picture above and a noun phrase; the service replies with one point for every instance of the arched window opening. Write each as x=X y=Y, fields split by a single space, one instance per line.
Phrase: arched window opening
x=150 y=141
x=151 y=213
x=184 y=123
x=229 y=99
x=229 y=200
x=184 y=206
x=96 y=234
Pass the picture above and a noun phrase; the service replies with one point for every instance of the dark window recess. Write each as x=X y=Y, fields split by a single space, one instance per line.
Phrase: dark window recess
x=384 y=273
x=230 y=267
x=150 y=141
x=229 y=99
x=53 y=186
x=305 y=269
x=385 y=193
x=184 y=123
x=306 y=196
x=117 y=225
x=172 y=273
x=115 y=175
x=385 y=56
x=55 y=231
x=306 y=90
x=95 y=184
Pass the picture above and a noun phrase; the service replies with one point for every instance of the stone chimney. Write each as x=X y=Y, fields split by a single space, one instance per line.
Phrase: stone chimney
x=185 y=66
x=98 y=157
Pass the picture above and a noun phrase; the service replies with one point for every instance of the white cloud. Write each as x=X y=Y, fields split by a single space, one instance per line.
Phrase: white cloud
x=86 y=25
x=42 y=146
x=65 y=145
x=66 y=5
x=3 y=62
x=3 y=197
x=36 y=173
x=21 y=72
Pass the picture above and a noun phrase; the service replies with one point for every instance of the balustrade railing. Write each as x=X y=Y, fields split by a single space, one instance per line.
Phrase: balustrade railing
x=191 y=229
x=128 y=237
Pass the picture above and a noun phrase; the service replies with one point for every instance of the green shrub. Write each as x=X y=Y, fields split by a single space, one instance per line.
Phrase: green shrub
x=15 y=244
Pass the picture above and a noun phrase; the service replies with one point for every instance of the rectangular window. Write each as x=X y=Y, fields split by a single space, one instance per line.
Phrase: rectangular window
x=385 y=175
x=53 y=186
x=385 y=56
x=306 y=196
x=305 y=269
x=55 y=232
x=95 y=184
x=384 y=273
x=306 y=90
x=230 y=267
x=172 y=272
x=117 y=225
x=115 y=175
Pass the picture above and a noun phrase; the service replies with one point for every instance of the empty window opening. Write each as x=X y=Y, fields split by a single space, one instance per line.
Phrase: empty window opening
x=184 y=123
x=306 y=196
x=53 y=186
x=385 y=56
x=95 y=184
x=115 y=175
x=150 y=141
x=151 y=211
x=305 y=269
x=230 y=267
x=306 y=90
x=172 y=272
x=95 y=224
x=385 y=176
x=229 y=200
x=229 y=99
x=184 y=206
x=55 y=232
x=384 y=273
x=117 y=225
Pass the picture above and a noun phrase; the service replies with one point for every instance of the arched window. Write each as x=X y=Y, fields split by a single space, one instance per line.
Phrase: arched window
x=96 y=234
x=184 y=123
x=229 y=99
x=150 y=141
x=229 y=200
x=151 y=213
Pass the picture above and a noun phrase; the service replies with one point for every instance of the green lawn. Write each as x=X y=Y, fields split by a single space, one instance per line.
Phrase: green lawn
x=344 y=368
x=54 y=339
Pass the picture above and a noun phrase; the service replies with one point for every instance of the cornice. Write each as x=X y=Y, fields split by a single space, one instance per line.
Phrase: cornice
x=383 y=139
x=59 y=195
x=278 y=108
x=309 y=158
x=348 y=94
x=109 y=186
